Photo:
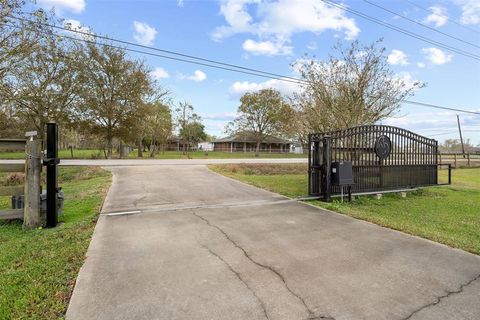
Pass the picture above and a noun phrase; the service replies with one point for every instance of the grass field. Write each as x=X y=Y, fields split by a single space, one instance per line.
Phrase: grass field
x=446 y=214
x=38 y=268
x=98 y=154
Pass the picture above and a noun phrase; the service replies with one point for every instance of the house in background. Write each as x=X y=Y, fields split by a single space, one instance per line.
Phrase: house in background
x=245 y=142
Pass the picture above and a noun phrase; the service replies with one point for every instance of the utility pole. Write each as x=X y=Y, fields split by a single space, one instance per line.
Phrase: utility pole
x=461 y=138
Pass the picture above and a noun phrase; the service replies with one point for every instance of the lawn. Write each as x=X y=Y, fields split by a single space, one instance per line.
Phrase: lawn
x=98 y=154
x=38 y=268
x=446 y=214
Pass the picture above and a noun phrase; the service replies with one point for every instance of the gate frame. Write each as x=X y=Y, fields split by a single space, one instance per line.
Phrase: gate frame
x=357 y=144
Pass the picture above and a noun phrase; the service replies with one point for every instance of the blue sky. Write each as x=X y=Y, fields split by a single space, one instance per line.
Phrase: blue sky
x=270 y=35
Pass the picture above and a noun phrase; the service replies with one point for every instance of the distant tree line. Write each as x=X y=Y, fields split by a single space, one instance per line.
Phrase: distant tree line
x=95 y=92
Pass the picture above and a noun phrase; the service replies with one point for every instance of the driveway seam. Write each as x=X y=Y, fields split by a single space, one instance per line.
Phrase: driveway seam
x=442 y=297
x=311 y=314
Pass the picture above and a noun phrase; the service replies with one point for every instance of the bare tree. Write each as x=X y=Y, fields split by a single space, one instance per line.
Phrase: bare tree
x=262 y=113
x=190 y=126
x=355 y=88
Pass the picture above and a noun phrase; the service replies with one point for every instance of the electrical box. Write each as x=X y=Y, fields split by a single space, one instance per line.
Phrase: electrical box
x=342 y=173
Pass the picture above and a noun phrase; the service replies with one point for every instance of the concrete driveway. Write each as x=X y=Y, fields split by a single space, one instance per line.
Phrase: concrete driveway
x=181 y=242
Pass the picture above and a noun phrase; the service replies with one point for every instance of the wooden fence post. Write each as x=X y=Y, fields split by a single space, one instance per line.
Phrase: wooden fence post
x=455 y=157
x=31 y=213
x=468 y=159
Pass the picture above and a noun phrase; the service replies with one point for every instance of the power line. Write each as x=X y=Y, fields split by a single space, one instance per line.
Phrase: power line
x=176 y=53
x=258 y=73
x=439 y=107
x=421 y=24
x=448 y=19
x=404 y=31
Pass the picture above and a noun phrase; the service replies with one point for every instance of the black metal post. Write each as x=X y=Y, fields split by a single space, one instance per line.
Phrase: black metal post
x=310 y=192
x=52 y=185
x=449 y=173
x=327 y=169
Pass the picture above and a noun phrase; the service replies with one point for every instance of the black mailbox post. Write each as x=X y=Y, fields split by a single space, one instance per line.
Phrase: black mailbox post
x=342 y=175
x=52 y=161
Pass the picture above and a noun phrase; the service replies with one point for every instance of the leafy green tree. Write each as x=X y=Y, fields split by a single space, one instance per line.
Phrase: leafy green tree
x=113 y=87
x=262 y=113
x=159 y=126
x=43 y=83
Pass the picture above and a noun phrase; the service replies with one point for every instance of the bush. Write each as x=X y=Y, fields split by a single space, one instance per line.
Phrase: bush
x=15 y=178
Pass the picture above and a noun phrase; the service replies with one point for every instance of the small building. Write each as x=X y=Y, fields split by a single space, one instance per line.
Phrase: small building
x=296 y=148
x=245 y=142
x=205 y=146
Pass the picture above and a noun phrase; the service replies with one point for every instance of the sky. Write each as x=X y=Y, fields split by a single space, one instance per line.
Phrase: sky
x=270 y=35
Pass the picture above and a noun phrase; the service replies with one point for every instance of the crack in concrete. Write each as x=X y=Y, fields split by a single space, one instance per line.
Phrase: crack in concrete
x=311 y=314
x=440 y=298
x=260 y=301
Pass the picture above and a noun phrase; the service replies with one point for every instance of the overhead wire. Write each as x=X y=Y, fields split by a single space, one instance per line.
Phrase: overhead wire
x=404 y=31
x=447 y=18
x=421 y=24
x=240 y=69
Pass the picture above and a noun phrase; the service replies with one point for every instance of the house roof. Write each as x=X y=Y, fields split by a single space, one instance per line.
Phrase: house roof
x=250 y=137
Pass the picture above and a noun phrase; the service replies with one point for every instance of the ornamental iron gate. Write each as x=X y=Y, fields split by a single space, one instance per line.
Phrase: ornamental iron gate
x=383 y=158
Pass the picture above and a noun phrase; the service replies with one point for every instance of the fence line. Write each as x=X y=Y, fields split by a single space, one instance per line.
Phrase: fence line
x=458 y=160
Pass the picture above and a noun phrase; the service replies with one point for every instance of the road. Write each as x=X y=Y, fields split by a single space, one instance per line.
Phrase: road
x=167 y=162
x=181 y=242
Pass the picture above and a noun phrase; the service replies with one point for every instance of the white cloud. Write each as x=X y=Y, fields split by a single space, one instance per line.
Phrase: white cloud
x=438 y=17
x=159 y=73
x=238 y=88
x=180 y=3
x=436 y=56
x=75 y=25
x=470 y=11
x=197 y=76
x=268 y=48
x=397 y=57
x=420 y=64
x=144 y=34
x=76 y=6
x=276 y=22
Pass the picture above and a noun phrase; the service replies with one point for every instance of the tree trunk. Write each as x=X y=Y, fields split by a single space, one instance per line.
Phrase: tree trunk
x=140 y=148
x=109 y=147
x=257 y=149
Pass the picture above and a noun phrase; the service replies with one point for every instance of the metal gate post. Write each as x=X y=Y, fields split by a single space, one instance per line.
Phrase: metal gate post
x=310 y=188
x=327 y=169
x=51 y=162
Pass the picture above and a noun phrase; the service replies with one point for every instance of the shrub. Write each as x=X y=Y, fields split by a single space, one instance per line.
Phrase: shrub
x=15 y=178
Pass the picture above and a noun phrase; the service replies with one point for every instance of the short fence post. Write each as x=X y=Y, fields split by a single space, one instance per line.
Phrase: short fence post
x=455 y=157
x=31 y=213
x=468 y=159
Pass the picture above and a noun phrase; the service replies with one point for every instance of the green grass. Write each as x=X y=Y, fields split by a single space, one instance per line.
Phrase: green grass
x=446 y=214
x=38 y=267
x=98 y=154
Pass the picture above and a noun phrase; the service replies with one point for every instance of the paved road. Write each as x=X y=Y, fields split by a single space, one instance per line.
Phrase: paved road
x=181 y=242
x=168 y=162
